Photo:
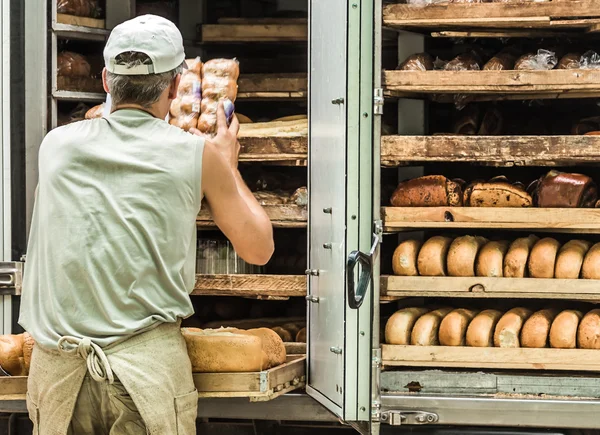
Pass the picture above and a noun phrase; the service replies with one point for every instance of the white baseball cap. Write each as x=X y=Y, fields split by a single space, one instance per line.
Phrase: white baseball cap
x=152 y=35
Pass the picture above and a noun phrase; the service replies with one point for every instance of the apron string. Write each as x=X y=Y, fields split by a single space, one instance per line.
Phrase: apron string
x=97 y=362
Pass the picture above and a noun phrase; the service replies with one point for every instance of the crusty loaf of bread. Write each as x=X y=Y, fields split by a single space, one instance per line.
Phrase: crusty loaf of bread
x=28 y=343
x=272 y=345
x=400 y=325
x=463 y=254
x=536 y=329
x=490 y=260
x=426 y=328
x=509 y=327
x=591 y=264
x=404 y=261
x=515 y=260
x=301 y=337
x=480 y=332
x=453 y=328
x=283 y=333
x=570 y=259
x=11 y=354
x=427 y=191
x=432 y=256
x=496 y=194
x=588 y=333
x=542 y=259
x=563 y=332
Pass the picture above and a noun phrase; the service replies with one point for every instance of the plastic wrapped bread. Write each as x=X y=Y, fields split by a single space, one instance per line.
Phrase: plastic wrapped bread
x=71 y=64
x=185 y=109
x=80 y=8
x=219 y=81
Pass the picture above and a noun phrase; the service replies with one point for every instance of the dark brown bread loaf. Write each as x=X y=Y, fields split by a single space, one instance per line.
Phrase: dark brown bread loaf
x=428 y=191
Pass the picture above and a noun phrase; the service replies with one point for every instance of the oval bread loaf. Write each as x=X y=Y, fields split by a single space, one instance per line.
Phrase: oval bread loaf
x=480 y=332
x=400 y=325
x=404 y=261
x=536 y=329
x=284 y=334
x=563 y=332
x=588 y=333
x=462 y=255
x=301 y=337
x=272 y=345
x=11 y=354
x=426 y=328
x=570 y=259
x=490 y=260
x=509 y=327
x=515 y=260
x=454 y=327
x=542 y=259
x=432 y=256
x=292 y=328
x=591 y=264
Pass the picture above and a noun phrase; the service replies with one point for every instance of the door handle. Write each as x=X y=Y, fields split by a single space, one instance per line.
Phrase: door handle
x=356 y=294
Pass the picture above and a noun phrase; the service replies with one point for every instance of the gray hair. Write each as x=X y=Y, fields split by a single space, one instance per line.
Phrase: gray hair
x=143 y=90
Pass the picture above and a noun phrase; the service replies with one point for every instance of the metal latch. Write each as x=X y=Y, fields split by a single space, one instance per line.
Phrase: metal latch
x=397 y=418
x=378 y=101
x=11 y=278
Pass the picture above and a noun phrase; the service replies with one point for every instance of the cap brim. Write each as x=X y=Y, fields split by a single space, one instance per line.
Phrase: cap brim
x=185 y=65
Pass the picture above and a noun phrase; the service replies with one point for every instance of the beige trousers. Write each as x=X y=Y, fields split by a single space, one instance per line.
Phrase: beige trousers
x=143 y=385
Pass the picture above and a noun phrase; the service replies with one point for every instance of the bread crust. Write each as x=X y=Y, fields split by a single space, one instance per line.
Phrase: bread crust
x=490 y=261
x=536 y=329
x=542 y=259
x=426 y=328
x=591 y=264
x=496 y=194
x=517 y=256
x=588 y=332
x=432 y=257
x=563 y=332
x=399 y=327
x=570 y=259
x=480 y=332
x=508 y=329
x=462 y=255
x=453 y=328
x=427 y=191
x=404 y=260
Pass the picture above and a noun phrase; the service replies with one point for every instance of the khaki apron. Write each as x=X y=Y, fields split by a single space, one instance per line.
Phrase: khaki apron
x=153 y=366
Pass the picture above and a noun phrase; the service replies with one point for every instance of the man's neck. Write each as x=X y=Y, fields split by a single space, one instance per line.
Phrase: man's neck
x=150 y=110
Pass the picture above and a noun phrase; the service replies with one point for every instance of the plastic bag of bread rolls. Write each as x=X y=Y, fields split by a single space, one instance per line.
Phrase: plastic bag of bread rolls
x=80 y=8
x=417 y=62
x=219 y=81
x=570 y=61
x=185 y=109
x=72 y=65
x=543 y=60
x=590 y=60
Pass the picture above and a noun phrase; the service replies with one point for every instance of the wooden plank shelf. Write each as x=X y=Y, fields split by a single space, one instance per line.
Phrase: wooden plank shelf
x=69 y=31
x=73 y=20
x=558 y=220
x=252 y=286
x=274 y=149
x=484 y=287
x=282 y=216
x=273 y=86
x=495 y=150
x=79 y=84
x=491 y=358
x=78 y=96
x=521 y=84
x=251 y=31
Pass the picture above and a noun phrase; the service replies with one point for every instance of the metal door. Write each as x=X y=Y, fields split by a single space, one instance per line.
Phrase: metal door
x=341 y=212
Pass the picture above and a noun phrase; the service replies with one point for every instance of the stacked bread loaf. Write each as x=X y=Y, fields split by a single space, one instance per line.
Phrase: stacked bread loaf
x=71 y=64
x=185 y=109
x=219 y=81
x=15 y=354
x=477 y=256
x=518 y=327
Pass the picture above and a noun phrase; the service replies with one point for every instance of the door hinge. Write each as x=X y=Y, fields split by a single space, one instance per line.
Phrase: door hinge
x=378 y=100
x=375 y=410
x=398 y=418
x=375 y=388
x=11 y=278
x=378 y=228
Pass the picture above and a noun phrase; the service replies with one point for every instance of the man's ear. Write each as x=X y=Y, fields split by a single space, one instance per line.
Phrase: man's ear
x=104 y=83
x=174 y=87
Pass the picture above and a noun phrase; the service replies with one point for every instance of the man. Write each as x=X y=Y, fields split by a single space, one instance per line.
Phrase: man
x=112 y=246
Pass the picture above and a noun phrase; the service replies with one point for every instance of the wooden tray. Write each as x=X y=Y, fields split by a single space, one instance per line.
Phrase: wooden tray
x=79 y=84
x=282 y=216
x=273 y=149
x=13 y=387
x=481 y=287
x=254 y=32
x=257 y=386
x=263 y=286
x=560 y=220
x=264 y=322
x=495 y=150
x=80 y=21
x=272 y=86
x=491 y=358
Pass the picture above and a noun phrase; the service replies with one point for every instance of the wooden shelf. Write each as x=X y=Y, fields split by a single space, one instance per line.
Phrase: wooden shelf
x=78 y=96
x=495 y=150
x=483 y=287
x=251 y=31
x=282 y=216
x=491 y=358
x=272 y=86
x=494 y=84
x=251 y=286
x=274 y=149
x=85 y=85
x=560 y=220
x=69 y=31
x=73 y=20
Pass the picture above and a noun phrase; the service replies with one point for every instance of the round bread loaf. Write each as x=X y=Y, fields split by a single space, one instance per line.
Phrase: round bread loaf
x=509 y=327
x=426 y=328
x=591 y=263
x=454 y=327
x=536 y=329
x=515 y=260
x=480 y=332
x=400 y=325
x=243 y=119
x=292 y=328
x=462 y=255
x=301 y=337
x=570 y=259
x=404 y=261
x=272 y=345
x=491 y=259
x=588 y=333
x=542 y=259
x=563 y=332
x=431 y=260
x=284 y=334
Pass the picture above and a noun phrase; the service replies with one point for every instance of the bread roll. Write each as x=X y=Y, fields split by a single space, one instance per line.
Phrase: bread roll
x=591 y=263
x=563 y=332
x=542 y=259
x=28 y=343
x=185 y=109
x=454 y=327
x=404 y=261
x=425 y=329
x=284 y=334
x=72 y=65
x=292 y=328
x=588 y=333
x=464 y=62
x=480 y=332
x=400 y=325
x=570 y=258
x=219 y=80
x=502 y=61
x=509 y=327
x=432 y=256
x=462 y=255
x=537 y=328
x=301 y=337
x=272 y=345
x=570 y=61
x=491 y=259
x=515 y=260
x=417 y=62
x=11 y=355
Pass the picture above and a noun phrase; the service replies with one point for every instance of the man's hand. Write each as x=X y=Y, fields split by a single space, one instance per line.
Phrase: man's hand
x=226 y=139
